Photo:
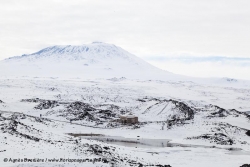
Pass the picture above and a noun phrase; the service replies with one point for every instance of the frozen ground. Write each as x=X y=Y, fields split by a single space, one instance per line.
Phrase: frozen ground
x=188 y=114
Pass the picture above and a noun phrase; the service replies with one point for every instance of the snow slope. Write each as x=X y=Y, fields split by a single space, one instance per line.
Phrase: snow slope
x=96 y=60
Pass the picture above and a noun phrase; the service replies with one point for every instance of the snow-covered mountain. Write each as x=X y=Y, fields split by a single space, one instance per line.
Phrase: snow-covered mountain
x=95 y=60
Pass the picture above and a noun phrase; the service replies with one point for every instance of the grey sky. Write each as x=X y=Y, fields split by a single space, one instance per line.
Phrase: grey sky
x=142 y=27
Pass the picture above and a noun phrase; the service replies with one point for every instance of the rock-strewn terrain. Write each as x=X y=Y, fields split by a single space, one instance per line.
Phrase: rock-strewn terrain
x=40 y=115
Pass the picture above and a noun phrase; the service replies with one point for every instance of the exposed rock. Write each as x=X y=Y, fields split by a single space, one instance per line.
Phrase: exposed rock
x=248 y=133
x=189 y=113
x=177 y=112
x=34 y=100
x=43 y=104
x=109 y=156
x=77 y=106
x=53 y=89
x=79 y=111
x=85 y=115
x=141 y=100
x=245 y=165
x=221 y=112
x=11 y=127
x=47 y=104
x=218 y=138
x=106 y=114
x=84 y=111
x=185 y=110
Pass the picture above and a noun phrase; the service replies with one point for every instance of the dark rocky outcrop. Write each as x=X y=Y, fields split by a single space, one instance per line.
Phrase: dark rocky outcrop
x=109 y=156
x=245 y=165
x=77 y=106
x=183 y=110
x=34 y=100
x=11 y=126
x=248 y=133
x=80 y=111
x=47 y=104
x=83 y=111
x=15 y=127
x=221 y=112
x=182 y=107
x=218 y=138
x=43 y=104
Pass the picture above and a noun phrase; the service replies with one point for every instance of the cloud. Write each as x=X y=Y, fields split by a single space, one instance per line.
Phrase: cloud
x=208 y=27
x=162 y=27
x=209 y=66
x=239 y=61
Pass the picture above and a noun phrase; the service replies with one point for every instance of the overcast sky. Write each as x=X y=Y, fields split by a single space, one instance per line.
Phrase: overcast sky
x=163 y=32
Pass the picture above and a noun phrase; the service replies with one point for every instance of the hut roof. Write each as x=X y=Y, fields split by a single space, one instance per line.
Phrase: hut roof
x=131 y=116
x=128 y=116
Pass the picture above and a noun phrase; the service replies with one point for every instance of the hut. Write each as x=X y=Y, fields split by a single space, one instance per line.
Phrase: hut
x=128 y=119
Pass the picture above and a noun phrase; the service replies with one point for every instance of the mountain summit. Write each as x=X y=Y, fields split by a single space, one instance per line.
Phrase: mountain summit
x=80 y=52
x=73 y=52
x=85 y=61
